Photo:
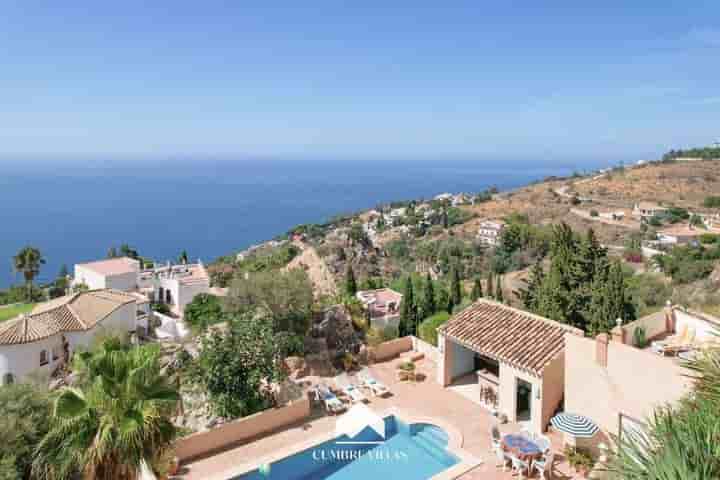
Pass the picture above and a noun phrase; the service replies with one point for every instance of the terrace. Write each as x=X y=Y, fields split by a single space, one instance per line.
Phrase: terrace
x=424 y=398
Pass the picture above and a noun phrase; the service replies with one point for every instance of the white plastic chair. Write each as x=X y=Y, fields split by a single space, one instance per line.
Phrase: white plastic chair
x=495 y=437
x=544 y=465
x=519 y=466
x=502 y=459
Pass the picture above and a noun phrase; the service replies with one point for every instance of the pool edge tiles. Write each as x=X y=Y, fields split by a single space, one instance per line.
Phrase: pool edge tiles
x=448 y=464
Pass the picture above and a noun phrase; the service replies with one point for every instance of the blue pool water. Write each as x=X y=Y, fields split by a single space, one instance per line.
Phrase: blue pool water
x=415 y=451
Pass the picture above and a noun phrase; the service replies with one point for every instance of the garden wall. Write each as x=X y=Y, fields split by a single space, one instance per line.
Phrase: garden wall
x=391 y=349
x=241 y=430
x=430 y=351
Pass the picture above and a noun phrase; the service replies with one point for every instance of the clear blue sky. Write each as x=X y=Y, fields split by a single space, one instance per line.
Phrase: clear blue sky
x=324 y=80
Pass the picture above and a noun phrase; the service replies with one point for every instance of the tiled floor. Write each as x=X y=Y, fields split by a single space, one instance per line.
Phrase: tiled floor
x=423 y=399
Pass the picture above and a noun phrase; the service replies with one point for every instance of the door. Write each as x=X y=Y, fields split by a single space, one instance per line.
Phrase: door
x=523 y=400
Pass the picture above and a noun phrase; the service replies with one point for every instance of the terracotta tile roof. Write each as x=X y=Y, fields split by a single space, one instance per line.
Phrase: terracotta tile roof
x=71 y=313
x=113 y=266
x=523 y=340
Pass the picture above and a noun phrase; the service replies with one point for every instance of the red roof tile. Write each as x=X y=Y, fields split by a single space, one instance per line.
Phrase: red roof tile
x=523 y=340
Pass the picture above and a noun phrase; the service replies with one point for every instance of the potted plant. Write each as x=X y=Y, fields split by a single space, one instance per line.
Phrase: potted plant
x=580 y=459
x=348 y=361
x=406 y=371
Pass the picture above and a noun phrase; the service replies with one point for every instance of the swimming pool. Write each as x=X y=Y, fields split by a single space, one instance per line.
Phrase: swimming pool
x=415 y=451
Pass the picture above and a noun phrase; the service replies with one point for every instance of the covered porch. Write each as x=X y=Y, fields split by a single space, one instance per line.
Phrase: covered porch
x=507 y=361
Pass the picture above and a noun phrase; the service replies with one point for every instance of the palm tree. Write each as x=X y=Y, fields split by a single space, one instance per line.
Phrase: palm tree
x=28 y=261
x=115 y=420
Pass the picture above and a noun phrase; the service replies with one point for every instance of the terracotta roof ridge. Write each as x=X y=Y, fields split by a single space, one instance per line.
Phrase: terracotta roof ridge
x=548 y=321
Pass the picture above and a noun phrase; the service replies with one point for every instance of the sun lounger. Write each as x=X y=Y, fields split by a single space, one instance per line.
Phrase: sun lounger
x=355 y=394
x=331 y=402
x=682 y=342
x=377 y=388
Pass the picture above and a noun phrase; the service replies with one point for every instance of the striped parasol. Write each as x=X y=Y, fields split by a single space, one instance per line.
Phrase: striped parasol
x=576 y=425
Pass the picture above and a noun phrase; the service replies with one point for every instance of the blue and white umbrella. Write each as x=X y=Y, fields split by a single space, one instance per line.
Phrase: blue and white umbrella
x=576 y=425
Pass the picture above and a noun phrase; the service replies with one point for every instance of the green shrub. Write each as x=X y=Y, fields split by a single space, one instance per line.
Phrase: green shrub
x=428 y=328
x=712 y=202
x=594 y=213
x=640 y=337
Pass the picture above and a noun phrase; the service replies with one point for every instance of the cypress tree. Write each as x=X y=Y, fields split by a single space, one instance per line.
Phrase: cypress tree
x=529 y=294
x=350 y=282
x=499 y=291
x=408 y=311
x=477 y=291
x=429 y=307
x=608 y=300
x=489 y=284
x=450 y=305
x=455 y=287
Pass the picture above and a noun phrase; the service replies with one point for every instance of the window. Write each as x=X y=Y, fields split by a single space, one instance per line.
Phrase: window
x=43 y=357
x=55 y=353
x=8 y=379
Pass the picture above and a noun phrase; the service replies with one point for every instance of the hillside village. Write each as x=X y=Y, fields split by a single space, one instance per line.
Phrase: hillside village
x=522 y=305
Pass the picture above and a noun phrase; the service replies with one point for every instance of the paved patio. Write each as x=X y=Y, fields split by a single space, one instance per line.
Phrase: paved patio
x=425 y=398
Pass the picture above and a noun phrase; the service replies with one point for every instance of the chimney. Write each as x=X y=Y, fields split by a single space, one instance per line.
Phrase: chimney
x=601 y=349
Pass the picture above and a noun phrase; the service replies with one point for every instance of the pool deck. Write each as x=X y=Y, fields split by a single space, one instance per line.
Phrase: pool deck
x=424 y=399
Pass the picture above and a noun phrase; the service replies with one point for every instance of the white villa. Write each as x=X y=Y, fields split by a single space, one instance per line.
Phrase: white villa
x=44 y=339
x=489 y=232
x=173 y=285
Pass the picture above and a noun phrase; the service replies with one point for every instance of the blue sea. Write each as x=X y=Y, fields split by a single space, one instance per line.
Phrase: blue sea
x=75 y=212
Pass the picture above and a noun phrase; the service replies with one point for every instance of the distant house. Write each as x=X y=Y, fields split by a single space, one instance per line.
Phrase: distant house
x=173 y=285
x=44 y=339
x=646 y=210
x=382 y=306
x=710 y=220
x=490 y=231
x=679 y=234
x=616 y=215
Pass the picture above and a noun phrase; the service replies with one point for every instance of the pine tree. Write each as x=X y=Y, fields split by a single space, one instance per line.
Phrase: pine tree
x=455 y=287
x=428 y=307
x=408 y=311
x=477 y=291
x=499 y=291
x=350 y=282
x=489 y=285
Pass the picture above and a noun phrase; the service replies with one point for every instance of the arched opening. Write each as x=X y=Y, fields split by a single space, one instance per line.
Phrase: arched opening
x=8 y=379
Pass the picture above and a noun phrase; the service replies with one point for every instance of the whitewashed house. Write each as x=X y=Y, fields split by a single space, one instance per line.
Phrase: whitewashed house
x=43 y=340
x=490 y=231
x=119 y=273
x=646 y=210
x=173 y=285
